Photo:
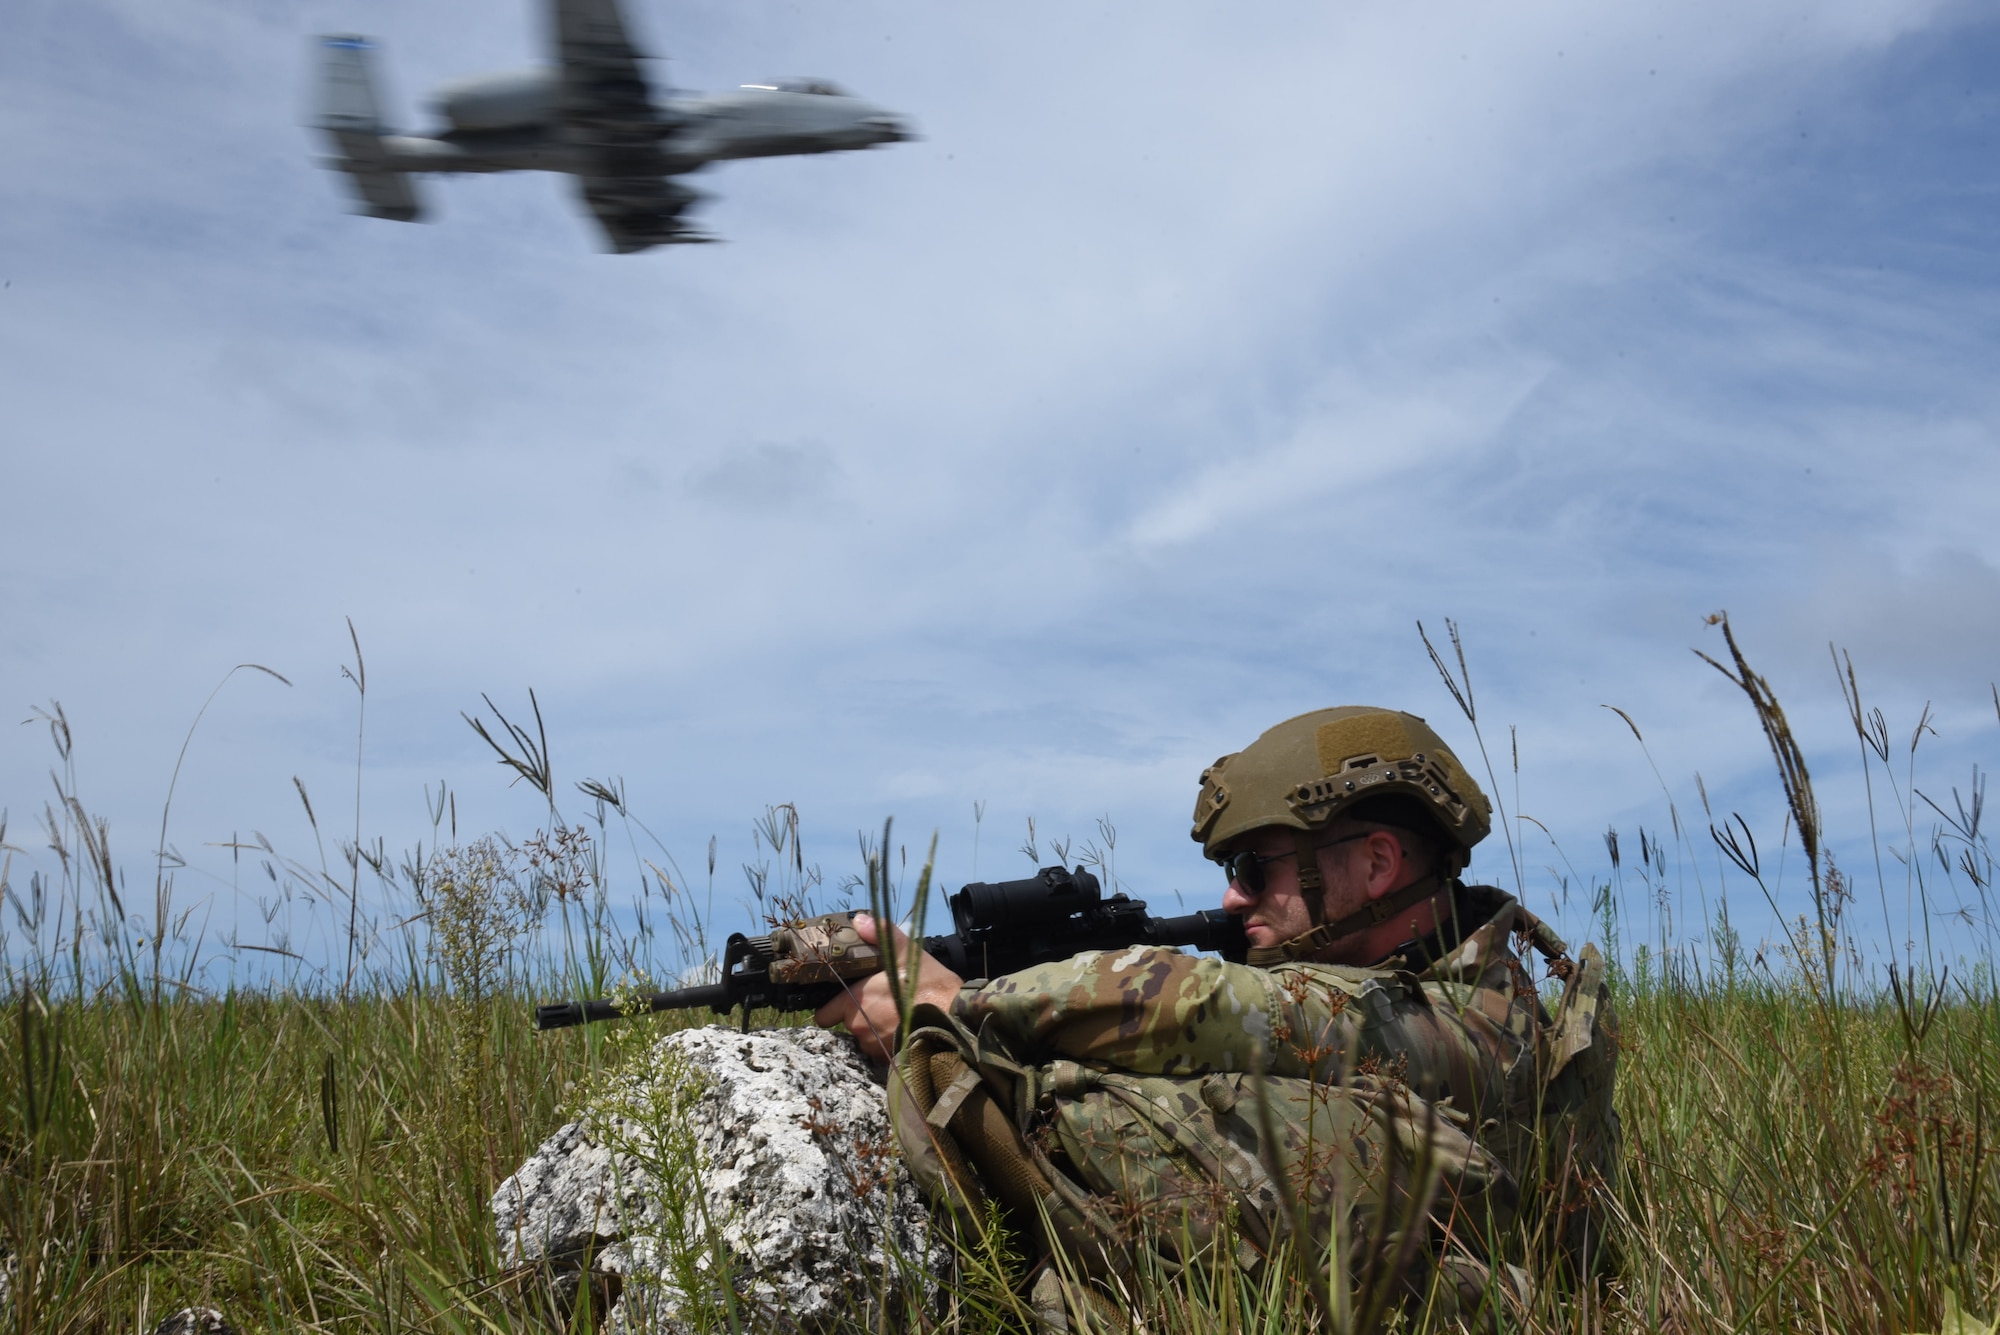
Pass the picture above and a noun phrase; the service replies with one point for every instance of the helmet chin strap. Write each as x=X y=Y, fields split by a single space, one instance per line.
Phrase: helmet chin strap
x=1324 y=933
x=1311 y=884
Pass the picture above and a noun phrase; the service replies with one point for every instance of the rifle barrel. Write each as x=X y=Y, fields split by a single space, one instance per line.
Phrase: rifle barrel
x=563 y=1014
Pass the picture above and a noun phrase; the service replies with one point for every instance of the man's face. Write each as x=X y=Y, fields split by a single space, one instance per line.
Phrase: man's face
x=1279 y=912
x=1358 y=864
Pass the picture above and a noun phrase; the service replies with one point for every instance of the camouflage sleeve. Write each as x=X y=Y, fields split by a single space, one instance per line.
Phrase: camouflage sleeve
x=1157 y=1011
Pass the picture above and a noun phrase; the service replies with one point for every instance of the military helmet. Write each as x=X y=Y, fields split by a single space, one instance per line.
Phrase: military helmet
x=1308 y=770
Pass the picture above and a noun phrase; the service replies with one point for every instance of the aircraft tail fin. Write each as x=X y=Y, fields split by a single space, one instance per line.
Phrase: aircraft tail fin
x=350 y=114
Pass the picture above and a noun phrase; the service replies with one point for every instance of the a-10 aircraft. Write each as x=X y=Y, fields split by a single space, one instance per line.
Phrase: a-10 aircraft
x=591 y=116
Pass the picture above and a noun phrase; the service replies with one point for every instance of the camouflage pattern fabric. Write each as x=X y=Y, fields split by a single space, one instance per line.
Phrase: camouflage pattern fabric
x=1398 y=1105
x=1241 y=1163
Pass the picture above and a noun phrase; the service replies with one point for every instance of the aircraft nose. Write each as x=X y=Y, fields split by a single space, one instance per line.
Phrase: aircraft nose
x=893 y=129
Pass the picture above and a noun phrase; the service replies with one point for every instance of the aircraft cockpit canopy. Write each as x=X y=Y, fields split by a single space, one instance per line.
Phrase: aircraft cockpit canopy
x=819 y=87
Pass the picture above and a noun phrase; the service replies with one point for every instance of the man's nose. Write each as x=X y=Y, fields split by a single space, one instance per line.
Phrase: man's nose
x=1235 y=899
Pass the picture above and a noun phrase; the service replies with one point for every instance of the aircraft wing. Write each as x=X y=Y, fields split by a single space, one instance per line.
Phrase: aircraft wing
x=638 y=212
x=605 y=99
x=609 y=115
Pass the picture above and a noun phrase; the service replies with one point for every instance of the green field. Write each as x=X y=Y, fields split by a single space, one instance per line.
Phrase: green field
x=318 y=1165
x=1808 y=1145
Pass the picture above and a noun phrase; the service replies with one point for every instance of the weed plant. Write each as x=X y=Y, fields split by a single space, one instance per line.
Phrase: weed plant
x=1807 y=1146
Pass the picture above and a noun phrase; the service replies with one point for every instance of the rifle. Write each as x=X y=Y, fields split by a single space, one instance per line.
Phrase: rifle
x=1003 y=927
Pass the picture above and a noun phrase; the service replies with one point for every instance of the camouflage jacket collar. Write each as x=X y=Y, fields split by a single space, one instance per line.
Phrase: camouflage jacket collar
x=1460 y=950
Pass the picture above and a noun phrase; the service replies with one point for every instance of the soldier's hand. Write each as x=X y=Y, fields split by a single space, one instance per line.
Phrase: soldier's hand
x=868 y=1007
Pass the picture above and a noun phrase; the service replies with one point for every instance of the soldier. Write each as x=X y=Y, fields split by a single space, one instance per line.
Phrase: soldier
x=1381 y=1074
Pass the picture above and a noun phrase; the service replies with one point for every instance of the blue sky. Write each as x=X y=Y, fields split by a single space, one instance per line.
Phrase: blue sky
x=1190 y=359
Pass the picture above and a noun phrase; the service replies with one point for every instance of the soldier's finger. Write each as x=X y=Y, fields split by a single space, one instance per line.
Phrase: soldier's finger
x=868 y=930
x=870 y=1019
x=837 y=1011
x=870 y=1038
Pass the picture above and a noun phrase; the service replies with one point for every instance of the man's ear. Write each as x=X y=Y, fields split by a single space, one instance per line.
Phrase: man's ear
x=1387 y=863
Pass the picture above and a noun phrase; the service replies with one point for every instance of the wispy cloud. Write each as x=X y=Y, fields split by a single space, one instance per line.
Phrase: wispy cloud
x=1155 y=395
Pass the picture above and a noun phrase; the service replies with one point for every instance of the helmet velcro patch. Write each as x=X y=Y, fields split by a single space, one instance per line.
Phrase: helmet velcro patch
x=1364 y=738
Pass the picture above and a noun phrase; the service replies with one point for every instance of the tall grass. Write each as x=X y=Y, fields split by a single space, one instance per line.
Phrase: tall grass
x=1807 y=1143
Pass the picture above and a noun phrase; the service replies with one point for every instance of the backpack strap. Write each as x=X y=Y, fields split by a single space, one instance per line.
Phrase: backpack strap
x=1545 y=941
x=961 y=1123
x=1575 y=1029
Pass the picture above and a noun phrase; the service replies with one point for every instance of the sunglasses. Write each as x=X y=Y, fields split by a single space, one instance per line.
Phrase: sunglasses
x=1247 y=869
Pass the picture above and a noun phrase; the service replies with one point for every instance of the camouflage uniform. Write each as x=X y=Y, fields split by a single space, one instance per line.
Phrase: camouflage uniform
x=1397 y=1104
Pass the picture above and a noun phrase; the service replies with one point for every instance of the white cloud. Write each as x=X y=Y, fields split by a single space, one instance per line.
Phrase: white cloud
x=1349 y=439
x=1154 y=396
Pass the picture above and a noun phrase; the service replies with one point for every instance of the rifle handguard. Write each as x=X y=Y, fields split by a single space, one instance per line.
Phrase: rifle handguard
x=825 y=949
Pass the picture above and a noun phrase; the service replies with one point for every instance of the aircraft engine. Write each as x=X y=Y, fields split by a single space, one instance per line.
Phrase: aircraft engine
x=500 y=101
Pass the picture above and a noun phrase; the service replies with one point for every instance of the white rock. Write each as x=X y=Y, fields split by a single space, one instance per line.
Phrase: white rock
x=786 y=1155
x=195 y=1321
